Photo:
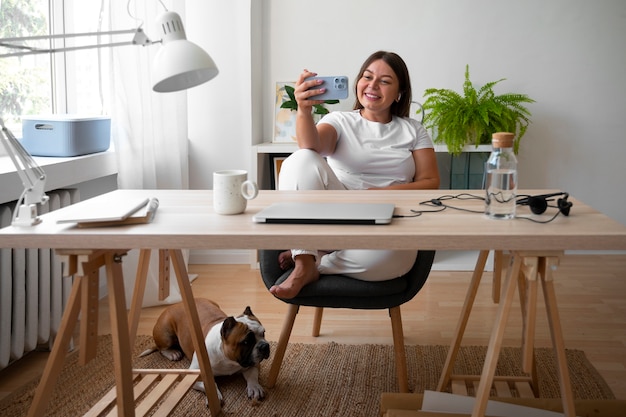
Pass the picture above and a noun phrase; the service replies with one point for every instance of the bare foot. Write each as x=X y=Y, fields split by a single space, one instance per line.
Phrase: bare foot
x=304 y=273
x=285 y=261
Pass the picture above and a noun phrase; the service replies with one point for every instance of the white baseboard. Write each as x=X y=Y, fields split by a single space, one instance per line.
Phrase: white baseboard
x=466 y=260
x=595 y=252
x=450 y=260
x=227 y=257
x=444 y=260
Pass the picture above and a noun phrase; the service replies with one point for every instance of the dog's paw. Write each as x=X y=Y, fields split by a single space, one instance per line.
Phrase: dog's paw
x=199 y=386
x=219 y=395
x=255 y=391
x=173 y=354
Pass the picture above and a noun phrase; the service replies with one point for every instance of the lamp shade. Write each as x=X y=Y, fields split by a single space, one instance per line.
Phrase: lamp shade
x=179 y=64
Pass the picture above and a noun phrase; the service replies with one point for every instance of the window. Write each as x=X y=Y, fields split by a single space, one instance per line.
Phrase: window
x=69 y=82
x=25 y=85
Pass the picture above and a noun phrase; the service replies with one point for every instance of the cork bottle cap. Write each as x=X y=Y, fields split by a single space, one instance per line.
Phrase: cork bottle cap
x=502 y=140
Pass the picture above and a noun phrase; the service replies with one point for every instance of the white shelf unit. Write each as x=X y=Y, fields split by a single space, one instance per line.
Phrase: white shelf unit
x=260 y=166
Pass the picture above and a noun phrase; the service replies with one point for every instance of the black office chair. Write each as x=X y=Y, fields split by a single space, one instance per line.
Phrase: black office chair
x=339 y=291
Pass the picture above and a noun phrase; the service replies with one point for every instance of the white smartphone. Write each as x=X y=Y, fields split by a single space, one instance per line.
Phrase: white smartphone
x=336 y=87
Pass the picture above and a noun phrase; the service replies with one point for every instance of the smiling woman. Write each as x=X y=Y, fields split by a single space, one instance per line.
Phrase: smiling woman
x=374 y=146
x=383 y=86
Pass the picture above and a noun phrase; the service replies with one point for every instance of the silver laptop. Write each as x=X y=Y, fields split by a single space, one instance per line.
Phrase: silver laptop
x=326 y=213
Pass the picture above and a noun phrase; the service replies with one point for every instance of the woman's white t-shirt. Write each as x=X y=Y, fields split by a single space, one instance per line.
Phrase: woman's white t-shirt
x=371 y=154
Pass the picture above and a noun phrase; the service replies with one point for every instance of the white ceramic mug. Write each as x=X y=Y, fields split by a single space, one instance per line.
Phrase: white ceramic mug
x=232 y=190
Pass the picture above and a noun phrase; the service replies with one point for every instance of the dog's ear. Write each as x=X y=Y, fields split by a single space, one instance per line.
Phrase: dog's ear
x=248 y=311
x=228 y=325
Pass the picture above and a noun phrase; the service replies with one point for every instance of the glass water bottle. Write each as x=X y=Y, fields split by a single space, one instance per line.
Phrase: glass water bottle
x=501 y=180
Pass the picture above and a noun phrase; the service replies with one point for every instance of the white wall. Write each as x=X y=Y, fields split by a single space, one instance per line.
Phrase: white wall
x=568 y=55
x=223 y=123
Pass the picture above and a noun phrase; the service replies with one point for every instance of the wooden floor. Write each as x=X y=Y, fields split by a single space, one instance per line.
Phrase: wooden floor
x=591 y=292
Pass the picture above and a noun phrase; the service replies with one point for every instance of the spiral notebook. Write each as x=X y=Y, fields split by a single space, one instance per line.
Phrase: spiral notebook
x=114 y=210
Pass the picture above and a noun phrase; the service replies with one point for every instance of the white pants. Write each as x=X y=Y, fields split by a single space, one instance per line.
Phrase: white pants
x=308 y=170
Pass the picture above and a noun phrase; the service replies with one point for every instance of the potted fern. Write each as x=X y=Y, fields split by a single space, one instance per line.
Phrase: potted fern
x=473 y=116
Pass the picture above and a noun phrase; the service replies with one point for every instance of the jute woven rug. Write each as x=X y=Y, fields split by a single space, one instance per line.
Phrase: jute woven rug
x=315 y=380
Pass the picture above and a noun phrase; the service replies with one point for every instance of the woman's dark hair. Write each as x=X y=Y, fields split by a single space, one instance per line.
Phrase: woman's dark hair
x=401 y=107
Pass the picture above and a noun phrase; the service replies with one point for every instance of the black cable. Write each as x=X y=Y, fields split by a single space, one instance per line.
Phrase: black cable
x=417 y=213
x=539 y=221
x=402 y=216
x=439 y=204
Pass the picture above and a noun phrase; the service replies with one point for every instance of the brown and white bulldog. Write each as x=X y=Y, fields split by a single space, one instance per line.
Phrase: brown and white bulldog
x=234 y=344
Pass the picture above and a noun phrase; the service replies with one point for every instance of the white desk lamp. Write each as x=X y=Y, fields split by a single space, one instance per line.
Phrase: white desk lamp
x=32 y=176
x=178 y=65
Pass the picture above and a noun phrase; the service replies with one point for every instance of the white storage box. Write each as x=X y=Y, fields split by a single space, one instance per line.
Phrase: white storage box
x=65 y=135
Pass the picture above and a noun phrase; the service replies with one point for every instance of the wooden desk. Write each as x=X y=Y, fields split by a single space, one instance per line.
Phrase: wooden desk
x=185 y=220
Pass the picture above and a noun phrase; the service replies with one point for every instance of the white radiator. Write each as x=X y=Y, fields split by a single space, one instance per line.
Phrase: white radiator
x=33 y=292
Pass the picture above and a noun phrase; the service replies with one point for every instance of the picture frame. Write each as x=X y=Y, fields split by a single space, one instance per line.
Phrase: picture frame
x=276 y=162
x=284 y=119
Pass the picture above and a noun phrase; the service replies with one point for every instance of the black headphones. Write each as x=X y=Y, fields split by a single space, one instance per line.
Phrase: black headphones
x=539 y=203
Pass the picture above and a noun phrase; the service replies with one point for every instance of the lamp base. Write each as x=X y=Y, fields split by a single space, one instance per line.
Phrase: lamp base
x=26 y=215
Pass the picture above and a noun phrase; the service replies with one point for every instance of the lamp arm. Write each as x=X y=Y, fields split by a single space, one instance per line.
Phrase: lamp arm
x=8 y=41
x=33 y=179
x=139 y=38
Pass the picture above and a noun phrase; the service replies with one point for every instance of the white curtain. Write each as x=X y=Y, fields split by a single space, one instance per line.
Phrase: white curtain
x=149 y=129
